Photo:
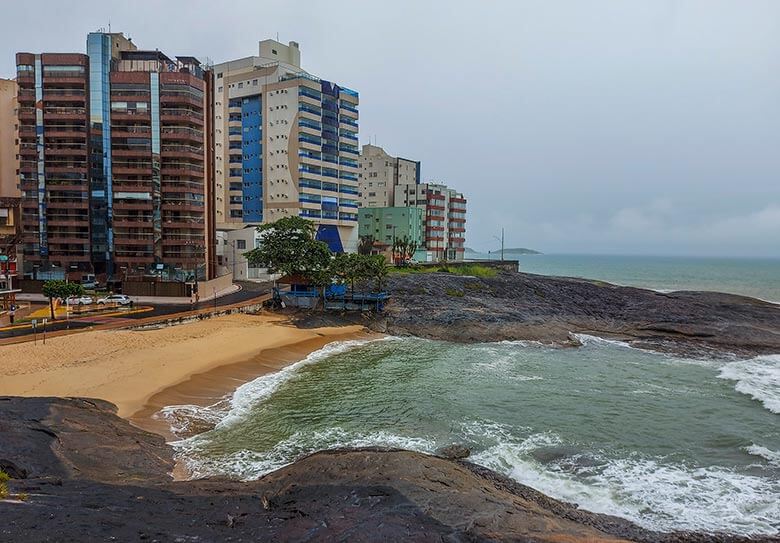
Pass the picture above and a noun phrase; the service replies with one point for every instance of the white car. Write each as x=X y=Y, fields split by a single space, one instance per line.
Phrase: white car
x=118 y=299
x=79 y=300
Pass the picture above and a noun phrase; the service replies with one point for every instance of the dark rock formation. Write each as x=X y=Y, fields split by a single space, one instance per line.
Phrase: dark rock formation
x=519 y=306
x=454 y=452
x=91 y=476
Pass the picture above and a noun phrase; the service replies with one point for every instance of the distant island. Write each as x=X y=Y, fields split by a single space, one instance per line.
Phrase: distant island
x=509 y=250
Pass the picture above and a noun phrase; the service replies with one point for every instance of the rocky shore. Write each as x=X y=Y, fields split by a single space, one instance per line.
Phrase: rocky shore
x=81 y=473
x=519 y=306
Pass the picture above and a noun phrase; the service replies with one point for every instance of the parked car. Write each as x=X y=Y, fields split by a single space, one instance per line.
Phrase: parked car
x=79 y=300
x=119 y=299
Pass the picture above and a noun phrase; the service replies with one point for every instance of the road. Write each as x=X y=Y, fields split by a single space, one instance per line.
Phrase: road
x=125 y=316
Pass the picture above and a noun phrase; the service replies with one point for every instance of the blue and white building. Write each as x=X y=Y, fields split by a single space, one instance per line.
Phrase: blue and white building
x=286 y=143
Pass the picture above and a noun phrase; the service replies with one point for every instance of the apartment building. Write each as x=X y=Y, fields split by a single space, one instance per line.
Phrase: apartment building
x=380 y=173
x=9 y=241
x=444 y=219
x=286 y=143
x=115 y=162
x=384 y=225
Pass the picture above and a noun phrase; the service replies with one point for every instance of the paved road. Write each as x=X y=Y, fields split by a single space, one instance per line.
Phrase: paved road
x=249 y=291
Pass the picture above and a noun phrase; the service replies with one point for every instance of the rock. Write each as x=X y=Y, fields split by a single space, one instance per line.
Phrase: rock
x=519 y=306
x=351 y=494
x=453 y=452
x=12 y=470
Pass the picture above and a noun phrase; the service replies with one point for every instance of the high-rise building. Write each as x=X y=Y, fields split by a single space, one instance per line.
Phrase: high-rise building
x=9 y=140
x=380 y=173
x=286 y=143
x=444 y=218
x=115 y=162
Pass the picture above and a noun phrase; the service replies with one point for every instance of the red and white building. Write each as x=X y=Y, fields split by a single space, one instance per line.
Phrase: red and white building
x=444 y=219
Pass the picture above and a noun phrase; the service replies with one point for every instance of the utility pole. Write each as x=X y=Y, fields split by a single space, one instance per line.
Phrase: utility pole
x=502 y=244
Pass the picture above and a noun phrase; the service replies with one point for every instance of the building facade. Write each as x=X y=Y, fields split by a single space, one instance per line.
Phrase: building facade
x=380 y=173
x=286 y=143
x=384 y=225
x=9 y=140
x=444 y=219
x=9 y=242
x=115 y=170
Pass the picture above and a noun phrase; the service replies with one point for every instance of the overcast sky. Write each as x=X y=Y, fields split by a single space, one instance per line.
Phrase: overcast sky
x=591 y=126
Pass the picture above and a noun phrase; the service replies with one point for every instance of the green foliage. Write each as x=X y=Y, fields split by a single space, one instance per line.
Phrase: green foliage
x=357 y=269
x=404 y=249
x=474 y=270
x=288 y=247
x=61 y=289
x=366 y=245
x=4 y=478
x=58 y=288
x=454 y=292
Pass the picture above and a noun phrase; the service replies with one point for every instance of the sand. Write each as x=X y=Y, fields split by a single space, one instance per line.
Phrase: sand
x=140 y=371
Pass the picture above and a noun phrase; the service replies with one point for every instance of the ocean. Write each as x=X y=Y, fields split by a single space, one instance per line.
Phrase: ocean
x=758 y=278
x=668 y=442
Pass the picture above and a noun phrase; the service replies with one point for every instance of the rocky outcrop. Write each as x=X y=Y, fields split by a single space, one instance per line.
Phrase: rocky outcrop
x=518 y=306
x=88 y=475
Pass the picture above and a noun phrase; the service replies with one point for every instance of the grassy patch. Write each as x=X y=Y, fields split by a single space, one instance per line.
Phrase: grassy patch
x=474 y=270
x=4 y=478
x=454 y=292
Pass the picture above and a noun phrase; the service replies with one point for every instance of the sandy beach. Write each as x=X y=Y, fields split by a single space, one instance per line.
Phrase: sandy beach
x=141 y=371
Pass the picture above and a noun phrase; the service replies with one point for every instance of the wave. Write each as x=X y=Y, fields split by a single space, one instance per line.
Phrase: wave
x=769 y=455
x=758 y=378
x=586 y=339
x=656 y=495
x=247 y=465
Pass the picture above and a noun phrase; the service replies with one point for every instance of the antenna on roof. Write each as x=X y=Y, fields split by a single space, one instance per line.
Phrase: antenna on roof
x=109 y=26
x=277 y=36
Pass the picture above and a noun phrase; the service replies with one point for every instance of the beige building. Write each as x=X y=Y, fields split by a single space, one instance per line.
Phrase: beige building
x=380 y=173
x=286 y=143
x=9 y=140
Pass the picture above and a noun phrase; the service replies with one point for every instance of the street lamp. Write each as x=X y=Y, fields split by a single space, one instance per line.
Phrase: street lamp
x=501 y=239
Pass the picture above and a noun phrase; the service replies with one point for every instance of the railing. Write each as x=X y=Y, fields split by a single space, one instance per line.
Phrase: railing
x=308 y=123
x=309 y=139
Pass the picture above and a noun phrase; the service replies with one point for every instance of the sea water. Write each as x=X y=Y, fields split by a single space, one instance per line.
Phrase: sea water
x=668 y=442
x=755 y=277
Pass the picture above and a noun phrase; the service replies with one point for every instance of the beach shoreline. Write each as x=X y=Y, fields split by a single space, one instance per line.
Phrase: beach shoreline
x=141 y=371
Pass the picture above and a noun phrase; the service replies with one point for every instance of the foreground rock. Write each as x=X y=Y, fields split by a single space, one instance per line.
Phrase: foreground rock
x=519 y=306
x=90 y=476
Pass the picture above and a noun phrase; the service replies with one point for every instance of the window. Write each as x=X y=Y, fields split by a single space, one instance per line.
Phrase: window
x=240 y=244
x=219 y=75
x=241 y=85
x=274 y=51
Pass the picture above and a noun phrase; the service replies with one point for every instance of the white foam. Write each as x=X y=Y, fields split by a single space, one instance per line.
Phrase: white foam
x=773 y=457
x=655 y=495
x=758 y=378
x=586 y=339
x=249 y=465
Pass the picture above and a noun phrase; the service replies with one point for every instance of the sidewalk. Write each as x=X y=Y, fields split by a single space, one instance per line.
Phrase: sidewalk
x=154 y=300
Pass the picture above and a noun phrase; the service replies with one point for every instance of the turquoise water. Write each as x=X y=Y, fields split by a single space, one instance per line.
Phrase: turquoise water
x=668 y=442
x=759 y=278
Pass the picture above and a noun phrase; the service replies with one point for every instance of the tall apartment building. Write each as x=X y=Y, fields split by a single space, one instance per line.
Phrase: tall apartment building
x=115 y=162
x=9 y=140
x=380 y=173
x=286 y=143
x=444 y=217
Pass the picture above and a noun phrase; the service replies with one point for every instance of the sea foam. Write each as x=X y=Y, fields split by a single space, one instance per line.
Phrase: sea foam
x=758 y=378
x=652 y=493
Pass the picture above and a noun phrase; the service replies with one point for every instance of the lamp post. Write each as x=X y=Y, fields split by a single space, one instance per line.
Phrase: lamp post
x=501 y=239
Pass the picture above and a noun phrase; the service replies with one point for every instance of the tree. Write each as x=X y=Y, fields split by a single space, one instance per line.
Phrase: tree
x=288 y=247
x=366 y=245
x=405 y=248
x=58 y=288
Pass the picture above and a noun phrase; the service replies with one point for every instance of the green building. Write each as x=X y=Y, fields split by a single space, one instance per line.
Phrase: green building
x=384 y=224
